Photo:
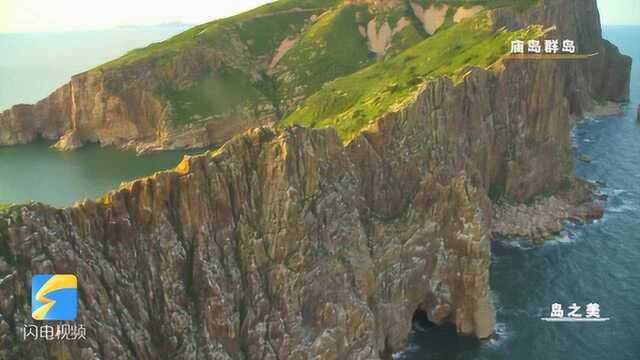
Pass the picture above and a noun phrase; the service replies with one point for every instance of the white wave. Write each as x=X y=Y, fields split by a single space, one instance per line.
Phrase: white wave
x=615 y=192
x=625 y=207
x=503 y=334
x=522 y=244
x=564 y=238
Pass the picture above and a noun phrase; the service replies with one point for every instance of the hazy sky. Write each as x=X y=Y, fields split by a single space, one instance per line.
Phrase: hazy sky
x=70 y=15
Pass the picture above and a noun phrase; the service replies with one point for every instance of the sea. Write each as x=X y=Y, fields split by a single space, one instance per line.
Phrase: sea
x=32 y=66
x=592 y=264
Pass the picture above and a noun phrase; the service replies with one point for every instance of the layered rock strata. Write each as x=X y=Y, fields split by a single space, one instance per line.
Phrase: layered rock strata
x=288 y=244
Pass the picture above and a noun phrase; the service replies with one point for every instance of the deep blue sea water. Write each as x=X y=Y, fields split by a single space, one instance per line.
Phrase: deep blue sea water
x=598 y=263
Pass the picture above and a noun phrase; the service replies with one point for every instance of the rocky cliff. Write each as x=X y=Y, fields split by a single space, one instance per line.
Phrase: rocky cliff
x=288 y=244
x=221 y=78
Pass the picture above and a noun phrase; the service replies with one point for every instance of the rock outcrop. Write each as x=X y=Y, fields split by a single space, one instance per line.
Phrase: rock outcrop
x=379 y=39
x=545 y=217
x=465 y=13
x=107 y=108
x=431 y=17
x=289 y=244
x=131 y=105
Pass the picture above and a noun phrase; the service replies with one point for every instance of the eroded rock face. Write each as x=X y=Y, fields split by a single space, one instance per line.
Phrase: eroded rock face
x=124 y=107
x=605 y=75
x=270 y=247
x=379 y=39
x=288 y=244
x=431 y=17
x=465 y=13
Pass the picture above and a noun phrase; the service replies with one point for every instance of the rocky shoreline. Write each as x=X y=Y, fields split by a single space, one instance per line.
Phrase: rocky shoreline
x=600 y=110
x=287 y=243
x=545 y=217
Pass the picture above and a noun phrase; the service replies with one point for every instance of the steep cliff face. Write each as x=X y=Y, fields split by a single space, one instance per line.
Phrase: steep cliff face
x=219 y=79
x=129 y=107
x=198 y=88
x=289 y=244
x=269 y=248
x=606 y=76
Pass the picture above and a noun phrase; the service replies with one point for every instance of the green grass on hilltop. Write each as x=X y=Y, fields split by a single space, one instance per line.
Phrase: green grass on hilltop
x=4 y=208
x=328 y=48
x=266 y=26
x=214 y=94
x=353 y=102
x=331 y=48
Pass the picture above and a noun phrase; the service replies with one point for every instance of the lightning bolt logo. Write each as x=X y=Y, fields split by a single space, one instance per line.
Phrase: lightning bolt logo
x=54 y=297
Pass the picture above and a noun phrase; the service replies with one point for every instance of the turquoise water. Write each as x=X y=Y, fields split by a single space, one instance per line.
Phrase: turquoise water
x=31 y=67
x=598 y=263
x=36 y=172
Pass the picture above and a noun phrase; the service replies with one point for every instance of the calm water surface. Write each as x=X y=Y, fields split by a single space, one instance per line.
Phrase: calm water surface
x=36 y=172
x=596 y=263
x=32 y=65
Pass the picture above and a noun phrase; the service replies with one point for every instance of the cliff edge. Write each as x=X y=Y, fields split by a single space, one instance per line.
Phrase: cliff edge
x=287 y=243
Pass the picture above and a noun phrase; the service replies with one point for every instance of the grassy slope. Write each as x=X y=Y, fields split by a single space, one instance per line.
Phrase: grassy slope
x=489 y=4
x=212 y=34
x=353 y=102
x=233 y=86
x=331 y=48
x=216 y=93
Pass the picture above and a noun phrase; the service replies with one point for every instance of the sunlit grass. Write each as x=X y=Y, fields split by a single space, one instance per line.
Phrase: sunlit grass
x=353 y=102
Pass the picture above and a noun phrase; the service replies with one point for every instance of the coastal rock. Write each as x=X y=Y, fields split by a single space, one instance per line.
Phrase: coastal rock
x=69 y=141
x=586 y=213
x=287 y=243
x=268 y=247
x=127 y=106
x=585 y=158
x=605 y=75
x=543 y=218
x=536 y=222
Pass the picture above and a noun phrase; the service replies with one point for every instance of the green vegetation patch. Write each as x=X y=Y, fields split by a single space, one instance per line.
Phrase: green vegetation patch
x=332 y=47
x=488 y=4
x=264 y=34
x=4 y=208
x=218 y=92
x=353 y=102
x=286 y=5
x=407 y=37
x=266 y=25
